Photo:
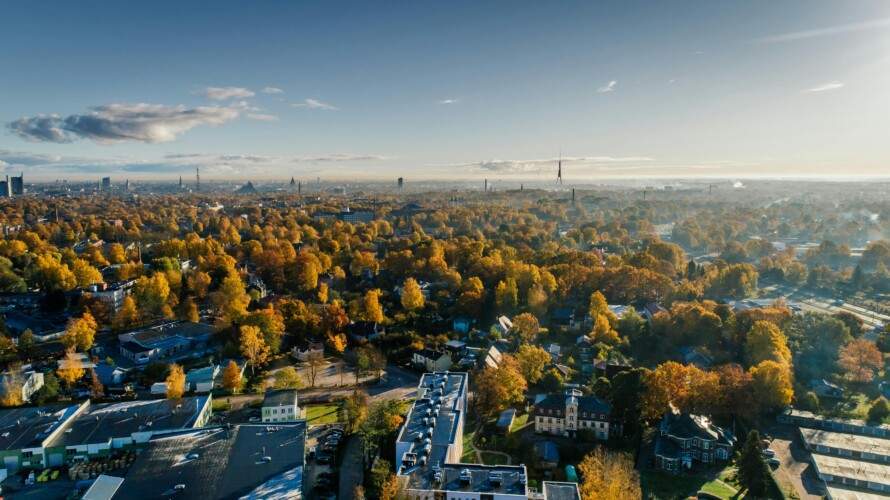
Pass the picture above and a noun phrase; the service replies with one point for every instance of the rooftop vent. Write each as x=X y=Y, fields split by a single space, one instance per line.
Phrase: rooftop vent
x=465 y=476
x=494 y=477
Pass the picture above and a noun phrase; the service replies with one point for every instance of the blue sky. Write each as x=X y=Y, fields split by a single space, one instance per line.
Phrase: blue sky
x=473 y=89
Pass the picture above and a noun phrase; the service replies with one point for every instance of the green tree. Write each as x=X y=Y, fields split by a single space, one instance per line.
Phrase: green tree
x=288 y=378
x=880 y=410
x=753 y=472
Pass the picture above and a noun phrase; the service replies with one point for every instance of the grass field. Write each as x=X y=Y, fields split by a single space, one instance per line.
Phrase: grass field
x=469 y=456
x=519 y=422
x=493 y=458
x=667 y=486
x=322 y=414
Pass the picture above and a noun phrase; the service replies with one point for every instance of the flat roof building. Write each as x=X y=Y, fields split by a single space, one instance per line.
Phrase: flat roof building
x=847 y=472
x=243 y=461
x=855 y=446
x=430 y=445
x=554 y=490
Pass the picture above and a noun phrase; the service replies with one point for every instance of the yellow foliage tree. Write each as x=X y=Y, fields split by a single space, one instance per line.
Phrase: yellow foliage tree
x=127 y=316
x=766 y=342
x=80 y=333
x=231 y=378
x=771 y=382
x=337 y=342
x=412 y=295
x=606 y=476
x=602 y=330
x=230 y=299
x=70 y=369
x=371 y=308
x=84 y=273
x=253 y=346
x=175 y=382
x=532 y=361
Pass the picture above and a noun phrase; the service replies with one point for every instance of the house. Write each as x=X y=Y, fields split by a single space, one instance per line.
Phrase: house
x=280 y=406
x=694 y=356
x=111 y=294
x=610 y=368
x=24 y=383
x=565 y=415
x=651 y=309
x=431 y=360
x=362 y=332
x=563 y=317
x=456 y=349
x=250 y=461
x=555 y=350
x=461 y=324
x=166 y=340
x=201 y=379
x=305 y=352
x=684 y=439
x=548 y=454
x=110 y=375
x=503 y=325
x=492 y=358
x=505 y=420
x=825 y=389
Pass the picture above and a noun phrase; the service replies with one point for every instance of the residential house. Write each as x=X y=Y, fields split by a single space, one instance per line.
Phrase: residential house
x=456 y=349
x=505 y=420
x=694 y=356
x=492 y=358
x=280 y=406
x=566 y=414
x=110 y=375
x=201 y=380
x=431 y=360
x=563 y=317
x=503 y=325
x=610 y=368
x=306 y=351
x=825 y=389
x=167 y=340
x=685 y=439
x=111 y=294
x=362 y=332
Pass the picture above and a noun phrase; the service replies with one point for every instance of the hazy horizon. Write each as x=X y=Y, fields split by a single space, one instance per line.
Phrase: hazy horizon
x=351 y=91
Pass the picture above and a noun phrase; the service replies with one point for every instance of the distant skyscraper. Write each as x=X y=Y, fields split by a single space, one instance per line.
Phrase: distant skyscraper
x=106 y=184
x=5 y=188
x=293 y=183
x=559 y=170
x=197 y=179
x=127 y=185
x=180 y=182
x=299 y=187
x=485 y=186
x=18 y=184
x=401 y=183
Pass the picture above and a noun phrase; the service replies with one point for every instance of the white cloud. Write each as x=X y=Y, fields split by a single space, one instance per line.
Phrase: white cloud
x=544 y=164
x=226 y=93
x=272 y=90
x=449 y=101
x=121 y=122
x=314 y=104
x=826 y=31
x=263 y=117
x=825 y=87
x=609 y=87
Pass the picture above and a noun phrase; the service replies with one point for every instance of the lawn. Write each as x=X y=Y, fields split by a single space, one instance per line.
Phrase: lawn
x=493 y=458
x=469 y=456
x=322 y=414
x=667 y=486
x=519 y=422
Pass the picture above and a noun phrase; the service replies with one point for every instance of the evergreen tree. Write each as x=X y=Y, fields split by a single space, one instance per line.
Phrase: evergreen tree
x=753 y=471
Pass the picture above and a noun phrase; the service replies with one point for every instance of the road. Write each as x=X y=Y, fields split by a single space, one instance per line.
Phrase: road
x=826 y=305
x=351 y=469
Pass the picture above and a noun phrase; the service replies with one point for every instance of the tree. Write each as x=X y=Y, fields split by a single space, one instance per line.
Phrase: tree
x=766 y=342
x=27 y=344
x=199 y=283
x=231 y=378
x=506 y=295
x=753 y=471
x=80 y=333
x=532 y=361
x=151 y=294
x=85 y=274
x=230 y=299
x=371 y=308
x=861 y=359
x=880 y=410
x=668 y=383
x=127 y=316
x=355 y=410
x=553 y=380
x=270 y=323
x=337 y=342
x=314 y=364
x=189 y=311
x=12 y=390
x=97 y=390
x=253 y=346
x=602 y=331
x=526 y=327
x=288 y=378
x=175 y=382
x=412 y=295
x=501 y=387
x=608 y=475
x=70 y=369
x=599 y=306
x=49 y=391
x=771 y=382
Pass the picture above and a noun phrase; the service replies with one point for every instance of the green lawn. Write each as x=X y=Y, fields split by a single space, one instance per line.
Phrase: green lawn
x=469 y=456
x=519 y=422
x=493 y=458
x=667 y=486
x=322 y=414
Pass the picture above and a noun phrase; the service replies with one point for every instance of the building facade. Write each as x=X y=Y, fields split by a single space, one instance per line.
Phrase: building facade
x=280 y=406
x=685 y=439
x=565 y=415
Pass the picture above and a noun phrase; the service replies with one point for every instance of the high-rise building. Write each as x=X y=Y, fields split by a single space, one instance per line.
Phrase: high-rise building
x=401 y=183
x=106 y=184
x=18 y=184
x=5 y=188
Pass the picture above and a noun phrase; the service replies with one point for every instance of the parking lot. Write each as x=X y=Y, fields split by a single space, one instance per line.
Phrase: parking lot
x=321 y=478
x=794 y=468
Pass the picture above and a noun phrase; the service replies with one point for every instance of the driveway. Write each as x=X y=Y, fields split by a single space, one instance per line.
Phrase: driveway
x=795 y=468
x=351 y=469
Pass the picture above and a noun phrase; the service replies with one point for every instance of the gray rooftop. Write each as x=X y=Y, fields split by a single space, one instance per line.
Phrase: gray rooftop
x=433 y=421
x=843 y=441
x=280 y=397
x=29 y=427
x=102 y=422
x=476 y=478
x=227 y=463
x=561 y=491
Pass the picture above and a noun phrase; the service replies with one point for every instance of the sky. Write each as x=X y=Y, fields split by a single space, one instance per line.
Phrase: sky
x=445 y=90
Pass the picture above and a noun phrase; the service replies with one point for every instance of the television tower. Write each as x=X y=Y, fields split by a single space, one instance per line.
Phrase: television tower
x=197 y=179
x=559 y=170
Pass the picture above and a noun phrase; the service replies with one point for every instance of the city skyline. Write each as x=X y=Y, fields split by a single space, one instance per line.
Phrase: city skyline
x=498 y=90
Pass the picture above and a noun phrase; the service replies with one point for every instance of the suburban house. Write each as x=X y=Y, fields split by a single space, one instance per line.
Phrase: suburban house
x=684 y=439
x=304 y=352
x=364 y=331
x=110 y=375
x=281 y=406
x=492 y=358
x=456 y=349
x=431 y=360
x=112 y=294
x=563 y=317
x=505 y=420
x=503 y=325
x=825 y=389
x=566 y=414
x=166 y=340
x=26 y=382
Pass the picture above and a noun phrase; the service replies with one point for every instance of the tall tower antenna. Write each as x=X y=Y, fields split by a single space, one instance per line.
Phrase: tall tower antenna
x=559 y=169
x=197 y=179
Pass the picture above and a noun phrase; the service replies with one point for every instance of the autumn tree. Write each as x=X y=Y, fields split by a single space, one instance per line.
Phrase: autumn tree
x=412 y=296
x=70 y=369
x=80 y=333
x=355 y=410
x=231 y=378
x=288 y=378
x=189 y=311
x=175 y=382
x=151 y=294
x=526 y=327
x=608 y=475
x=253 y=346
x=199 y=283
x=127 y=316
x=97 y=390
x=766 y=342
x=861 y=359
x=771 y=382
x=532 y=361
x=314 y=363
x=336 y=342
x=506 y=295
x=371 y=310
x=501 y=387
x=231 y=300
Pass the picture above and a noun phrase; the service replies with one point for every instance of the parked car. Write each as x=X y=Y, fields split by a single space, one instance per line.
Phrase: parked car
x=768 y=453
x=773 y=462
